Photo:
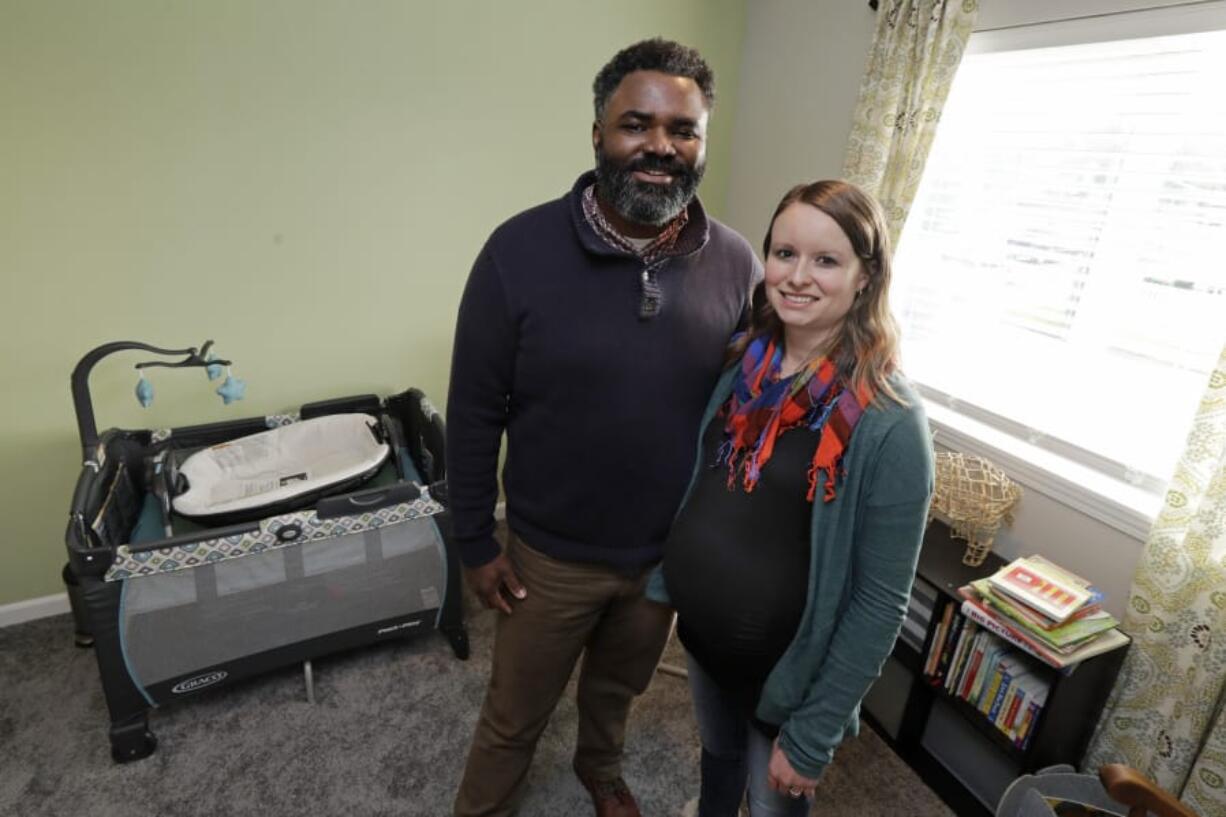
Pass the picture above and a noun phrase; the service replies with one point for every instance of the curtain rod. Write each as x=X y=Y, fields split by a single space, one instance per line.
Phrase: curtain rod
x=872 y=4
x=1100 y=15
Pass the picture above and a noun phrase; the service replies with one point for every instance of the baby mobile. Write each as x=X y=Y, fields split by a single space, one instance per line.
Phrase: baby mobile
x=230 y=390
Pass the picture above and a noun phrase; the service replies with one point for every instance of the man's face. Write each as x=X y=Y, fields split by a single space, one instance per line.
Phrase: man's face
x=651 y=147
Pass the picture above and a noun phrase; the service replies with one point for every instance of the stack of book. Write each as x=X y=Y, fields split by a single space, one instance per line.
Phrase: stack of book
x=1044 y=610
x=975 y=666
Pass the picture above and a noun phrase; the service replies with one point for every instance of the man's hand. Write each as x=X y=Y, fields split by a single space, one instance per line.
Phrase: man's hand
x=786 y=780
x=488 y=580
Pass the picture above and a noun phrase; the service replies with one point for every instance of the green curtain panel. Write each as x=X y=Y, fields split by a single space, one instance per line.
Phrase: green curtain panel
x=1164 y=716
x=915 y=54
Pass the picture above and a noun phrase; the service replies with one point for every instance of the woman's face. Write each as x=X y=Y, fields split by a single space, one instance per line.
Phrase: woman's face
x=812 y=275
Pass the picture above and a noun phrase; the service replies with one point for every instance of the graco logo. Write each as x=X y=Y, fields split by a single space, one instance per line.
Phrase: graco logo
x=199 y=682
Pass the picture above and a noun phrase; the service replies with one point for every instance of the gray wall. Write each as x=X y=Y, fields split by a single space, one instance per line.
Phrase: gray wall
x=801 y=64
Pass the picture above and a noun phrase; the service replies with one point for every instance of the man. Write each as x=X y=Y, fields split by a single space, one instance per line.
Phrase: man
x=591 y=331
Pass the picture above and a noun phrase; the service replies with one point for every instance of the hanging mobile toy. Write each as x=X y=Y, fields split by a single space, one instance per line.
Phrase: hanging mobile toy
x=213 y=369
x=232 y=388
x=144 y=390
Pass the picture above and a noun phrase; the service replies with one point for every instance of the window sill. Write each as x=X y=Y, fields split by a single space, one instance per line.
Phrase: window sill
x=1125 y=507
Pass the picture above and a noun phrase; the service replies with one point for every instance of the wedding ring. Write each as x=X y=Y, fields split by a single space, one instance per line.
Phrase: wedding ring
x=795 y=791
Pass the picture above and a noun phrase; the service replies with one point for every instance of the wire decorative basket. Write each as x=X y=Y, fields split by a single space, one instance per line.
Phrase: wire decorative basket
x=974 y=497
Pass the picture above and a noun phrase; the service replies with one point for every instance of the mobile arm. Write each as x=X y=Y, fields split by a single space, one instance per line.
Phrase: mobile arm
x=83 y=405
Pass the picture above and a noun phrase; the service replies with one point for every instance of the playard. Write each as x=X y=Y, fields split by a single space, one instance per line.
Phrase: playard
x=202 y=555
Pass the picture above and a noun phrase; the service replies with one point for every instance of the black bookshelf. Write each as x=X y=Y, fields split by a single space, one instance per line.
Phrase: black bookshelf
x=953 y=747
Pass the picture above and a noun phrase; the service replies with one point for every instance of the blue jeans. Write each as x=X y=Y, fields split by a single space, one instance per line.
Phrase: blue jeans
x=734 y=752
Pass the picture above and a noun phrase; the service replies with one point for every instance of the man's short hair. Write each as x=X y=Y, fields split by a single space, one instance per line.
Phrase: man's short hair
x=656 y=54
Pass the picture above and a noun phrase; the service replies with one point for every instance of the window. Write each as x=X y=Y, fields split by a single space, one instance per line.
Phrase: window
x=1061 y=275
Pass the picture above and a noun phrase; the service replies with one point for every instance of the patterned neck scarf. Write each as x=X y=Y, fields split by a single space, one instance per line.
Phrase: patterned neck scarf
x=763 y=406
x=660 y=247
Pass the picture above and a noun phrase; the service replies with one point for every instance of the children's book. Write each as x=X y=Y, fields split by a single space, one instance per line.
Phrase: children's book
x=1073 y=631
x=938 y=641
x=947 y=651
x=1036 y=585
x=958 y=664
x=973 y=662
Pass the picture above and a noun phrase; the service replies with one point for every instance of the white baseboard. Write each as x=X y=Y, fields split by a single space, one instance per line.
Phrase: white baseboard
x=30 y=609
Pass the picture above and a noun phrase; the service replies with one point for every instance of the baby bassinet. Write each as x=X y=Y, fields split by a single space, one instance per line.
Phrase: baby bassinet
x=279 y=469
x=176 y=604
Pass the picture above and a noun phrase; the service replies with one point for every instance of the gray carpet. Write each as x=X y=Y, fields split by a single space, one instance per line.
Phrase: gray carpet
x=387 y=736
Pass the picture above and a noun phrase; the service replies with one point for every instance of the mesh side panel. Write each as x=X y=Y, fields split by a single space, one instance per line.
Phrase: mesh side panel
x=240 y=575
x=189 y=620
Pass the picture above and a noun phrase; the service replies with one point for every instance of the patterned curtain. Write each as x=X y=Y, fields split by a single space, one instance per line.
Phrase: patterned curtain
x=1165 y=714
x=915 y=53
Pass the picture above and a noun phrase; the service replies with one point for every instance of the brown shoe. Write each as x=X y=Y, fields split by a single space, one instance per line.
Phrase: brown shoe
x=612 y=798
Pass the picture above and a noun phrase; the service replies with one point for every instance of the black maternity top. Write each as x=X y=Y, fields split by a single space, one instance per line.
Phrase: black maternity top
x=736 y=564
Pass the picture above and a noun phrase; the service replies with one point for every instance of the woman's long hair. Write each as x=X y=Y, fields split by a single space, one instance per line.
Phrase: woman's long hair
x=865 y=347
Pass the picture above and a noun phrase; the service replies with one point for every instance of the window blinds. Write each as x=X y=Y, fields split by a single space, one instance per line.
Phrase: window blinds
x=1061 y=272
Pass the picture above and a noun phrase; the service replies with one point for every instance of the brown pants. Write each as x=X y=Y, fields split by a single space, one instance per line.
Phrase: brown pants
x=571 y=608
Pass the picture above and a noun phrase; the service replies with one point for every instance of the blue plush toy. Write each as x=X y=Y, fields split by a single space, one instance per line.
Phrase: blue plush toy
x=144 y=391
x=232 y=388
x=213 y=369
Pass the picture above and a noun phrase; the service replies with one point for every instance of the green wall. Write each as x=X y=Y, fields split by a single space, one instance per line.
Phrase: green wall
x=305 y=182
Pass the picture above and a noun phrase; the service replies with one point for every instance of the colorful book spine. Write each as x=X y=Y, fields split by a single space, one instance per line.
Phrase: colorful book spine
x=974 y=661
x=938 y=640
x=947 y=650
x=984 y=702
x=1008 y=710
x=1036 y=696
x=998 y=692
x=973 y=609
x=958 y=664
x=1010 y=703
x=987 y=671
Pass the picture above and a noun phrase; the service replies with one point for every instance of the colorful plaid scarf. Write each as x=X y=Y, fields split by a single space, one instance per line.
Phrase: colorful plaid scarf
x=763 y=406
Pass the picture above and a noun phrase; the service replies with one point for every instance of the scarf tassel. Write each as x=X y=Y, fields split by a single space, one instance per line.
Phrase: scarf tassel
x=825 y=460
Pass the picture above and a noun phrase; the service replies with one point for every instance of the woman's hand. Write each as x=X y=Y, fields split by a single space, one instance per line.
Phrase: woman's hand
x=786 y=780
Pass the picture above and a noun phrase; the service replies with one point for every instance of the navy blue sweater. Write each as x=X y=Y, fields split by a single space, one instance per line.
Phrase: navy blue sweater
x=601 y=407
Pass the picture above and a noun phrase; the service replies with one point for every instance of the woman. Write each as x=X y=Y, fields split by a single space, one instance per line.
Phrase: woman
x=792 y=557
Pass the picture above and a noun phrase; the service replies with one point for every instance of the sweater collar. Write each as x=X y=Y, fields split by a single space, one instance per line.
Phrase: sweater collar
x=693 y=236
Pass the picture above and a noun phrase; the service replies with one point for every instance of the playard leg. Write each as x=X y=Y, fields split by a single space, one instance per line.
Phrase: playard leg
x=451 y=617
x=132 y=740
x=457 y=636
x=81 y=635
x=308 y=675
x=128 y=706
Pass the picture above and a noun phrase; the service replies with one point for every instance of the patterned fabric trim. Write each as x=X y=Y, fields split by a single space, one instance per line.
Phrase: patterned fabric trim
x=278 y=420
x=160 y=435
x=130 y=565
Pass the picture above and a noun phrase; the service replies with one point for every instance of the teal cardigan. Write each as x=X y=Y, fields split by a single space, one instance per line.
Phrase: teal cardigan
x=865 y=544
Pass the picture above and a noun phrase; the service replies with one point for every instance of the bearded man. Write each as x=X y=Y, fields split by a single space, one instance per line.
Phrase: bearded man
x=591 y=332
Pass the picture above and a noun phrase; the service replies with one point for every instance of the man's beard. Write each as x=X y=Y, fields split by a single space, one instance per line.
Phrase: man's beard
x=644 y=202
